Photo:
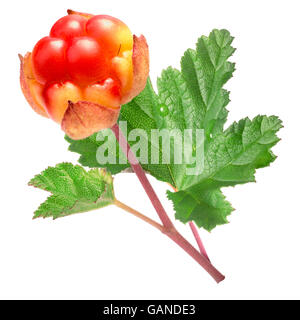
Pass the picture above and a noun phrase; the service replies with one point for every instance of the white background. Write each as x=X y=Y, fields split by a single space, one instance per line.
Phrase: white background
x=108 y=254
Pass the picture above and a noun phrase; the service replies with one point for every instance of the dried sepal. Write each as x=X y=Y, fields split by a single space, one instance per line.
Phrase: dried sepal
x=140 y=60
x=30 y=87
x=84 y=118
x=86 y=15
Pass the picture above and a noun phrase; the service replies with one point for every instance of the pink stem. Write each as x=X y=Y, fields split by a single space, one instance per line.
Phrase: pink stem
x=169 y=228
x=142 y=177
x=198 y=240
x=196 y=236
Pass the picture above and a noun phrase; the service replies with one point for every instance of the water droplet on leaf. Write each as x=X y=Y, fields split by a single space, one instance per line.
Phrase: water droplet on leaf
x=163 y=110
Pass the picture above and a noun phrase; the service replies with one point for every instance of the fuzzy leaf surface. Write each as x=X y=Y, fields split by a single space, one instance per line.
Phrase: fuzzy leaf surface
x=73 y=190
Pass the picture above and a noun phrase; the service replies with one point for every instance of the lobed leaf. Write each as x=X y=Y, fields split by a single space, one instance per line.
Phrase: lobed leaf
x=194 y=98
x=207 y=208
x=231 y=158
x=73 y=190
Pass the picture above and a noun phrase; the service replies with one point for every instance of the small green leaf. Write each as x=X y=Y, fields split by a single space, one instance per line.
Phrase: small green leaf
x=73 y=190
x=207 y=208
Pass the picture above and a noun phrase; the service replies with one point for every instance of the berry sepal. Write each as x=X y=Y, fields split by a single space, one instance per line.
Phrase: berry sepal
x=84 y=118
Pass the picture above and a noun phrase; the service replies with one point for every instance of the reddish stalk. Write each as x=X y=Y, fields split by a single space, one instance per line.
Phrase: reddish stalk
x=196 y=236
x=139 y=215
x=169 y=228
x=135 y=165
x=198 y=240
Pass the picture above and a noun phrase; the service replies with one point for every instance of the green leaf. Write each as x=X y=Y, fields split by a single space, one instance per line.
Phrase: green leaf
x=205 y=71
x=231 y=158
x=73 y=190
x=194 y=98
x=207 y=208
